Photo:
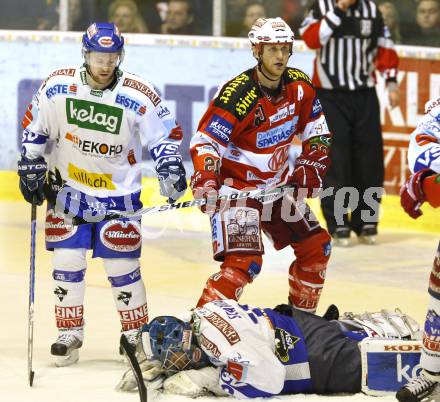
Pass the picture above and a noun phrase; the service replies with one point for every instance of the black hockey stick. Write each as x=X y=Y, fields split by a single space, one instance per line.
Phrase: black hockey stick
x=263 y=194
x=32 y=292
x=134 y=364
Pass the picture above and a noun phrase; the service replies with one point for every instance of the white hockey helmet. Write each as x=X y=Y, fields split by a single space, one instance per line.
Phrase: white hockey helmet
x=270 y=30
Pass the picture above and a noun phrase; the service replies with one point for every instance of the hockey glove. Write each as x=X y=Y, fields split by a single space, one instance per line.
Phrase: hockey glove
x=194 y=383
x=172 y=180
x=205 y=184
x=309 y=170
x=412 y=195
x=32 y=176
x=152 y=374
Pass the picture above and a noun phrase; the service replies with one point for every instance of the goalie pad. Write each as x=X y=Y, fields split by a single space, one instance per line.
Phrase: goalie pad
x=383 y=324
x=194 y=383
x=388 y=364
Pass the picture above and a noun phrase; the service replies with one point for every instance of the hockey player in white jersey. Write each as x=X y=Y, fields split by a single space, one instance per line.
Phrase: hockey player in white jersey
x=424 y=186
x=98 y=118
x=232 y=349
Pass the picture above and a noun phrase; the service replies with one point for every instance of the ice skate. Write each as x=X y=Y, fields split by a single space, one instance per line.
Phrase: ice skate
x=424 y=388
x=66 y=347
x=133 y=337
x=368 y=235
x=341 y=237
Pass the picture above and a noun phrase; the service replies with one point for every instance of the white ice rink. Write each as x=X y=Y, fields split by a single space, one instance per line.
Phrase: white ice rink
x=175 y=265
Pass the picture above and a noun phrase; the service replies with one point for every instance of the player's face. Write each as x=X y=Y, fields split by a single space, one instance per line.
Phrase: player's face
x=102 y=66
x=274 y=58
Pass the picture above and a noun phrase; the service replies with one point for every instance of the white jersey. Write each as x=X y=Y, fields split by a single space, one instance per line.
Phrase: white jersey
x=424 y=146
x=98 y=135
x=245 y=342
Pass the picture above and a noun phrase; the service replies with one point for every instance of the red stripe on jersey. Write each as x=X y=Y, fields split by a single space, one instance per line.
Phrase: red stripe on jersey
x=316 y=81
x=311 y=35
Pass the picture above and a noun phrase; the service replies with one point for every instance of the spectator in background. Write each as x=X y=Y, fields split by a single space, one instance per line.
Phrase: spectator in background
x=179 y=19
x=125 y=14
x=78 y=16
x=390 y=17
x=428 y=24
x=291 y=11
x=254 y=10
x=235 y=10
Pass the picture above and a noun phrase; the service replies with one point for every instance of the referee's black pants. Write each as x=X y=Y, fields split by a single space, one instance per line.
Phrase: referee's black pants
x=356 y=157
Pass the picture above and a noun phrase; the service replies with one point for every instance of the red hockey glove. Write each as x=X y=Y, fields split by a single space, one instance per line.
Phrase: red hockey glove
x=412 y=195
x=309 y=171
x=205 y=184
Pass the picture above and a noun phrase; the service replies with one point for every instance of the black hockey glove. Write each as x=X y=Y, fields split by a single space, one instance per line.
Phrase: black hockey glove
x=172 y=180
x=32 y=176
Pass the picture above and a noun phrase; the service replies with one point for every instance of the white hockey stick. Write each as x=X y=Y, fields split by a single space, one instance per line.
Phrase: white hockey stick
x=261 y=195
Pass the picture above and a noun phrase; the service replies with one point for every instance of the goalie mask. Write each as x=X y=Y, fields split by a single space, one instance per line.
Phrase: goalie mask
x=171 y=341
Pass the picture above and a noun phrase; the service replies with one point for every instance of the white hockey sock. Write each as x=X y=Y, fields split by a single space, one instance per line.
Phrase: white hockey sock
x=128 y=289
x=430 y=359
x=69 y=267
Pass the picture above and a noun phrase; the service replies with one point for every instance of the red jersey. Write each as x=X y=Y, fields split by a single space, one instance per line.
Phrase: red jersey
x=245 y=135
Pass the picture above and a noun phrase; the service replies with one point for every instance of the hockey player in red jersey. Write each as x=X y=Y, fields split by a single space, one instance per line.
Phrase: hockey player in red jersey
x=244 y=140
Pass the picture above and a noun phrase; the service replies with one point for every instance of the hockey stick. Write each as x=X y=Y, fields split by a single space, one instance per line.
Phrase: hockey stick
x=134 y=364
x=32 y=292
x=238 y=195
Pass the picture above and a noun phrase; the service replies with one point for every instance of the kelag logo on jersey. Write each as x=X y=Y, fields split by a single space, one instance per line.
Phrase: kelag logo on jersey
x=317 y=108
x=94 y=116
x=131 y=104
x=219 y=128
x=276 y=135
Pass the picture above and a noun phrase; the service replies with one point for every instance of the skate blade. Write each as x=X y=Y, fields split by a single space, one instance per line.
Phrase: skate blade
x=368 y=240
x=63 y=361
x=341 y=242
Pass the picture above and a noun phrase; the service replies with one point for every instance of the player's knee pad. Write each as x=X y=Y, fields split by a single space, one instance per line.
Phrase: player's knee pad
x=124 y=275
x=69 y=267
x=236 y=272
x=307 y=273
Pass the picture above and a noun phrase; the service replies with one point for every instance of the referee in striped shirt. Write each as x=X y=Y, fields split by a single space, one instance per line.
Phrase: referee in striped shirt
x=351 y=42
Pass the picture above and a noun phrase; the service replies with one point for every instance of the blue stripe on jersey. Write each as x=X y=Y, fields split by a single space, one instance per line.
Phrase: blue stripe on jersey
x=127 y=279
x=30 y=137
x=296 y=353
x=68 y=276
x=93 y=208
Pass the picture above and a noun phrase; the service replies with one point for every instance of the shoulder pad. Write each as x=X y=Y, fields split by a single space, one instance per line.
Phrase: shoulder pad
x=293 y=74
x=139 y=85
x=238 y=96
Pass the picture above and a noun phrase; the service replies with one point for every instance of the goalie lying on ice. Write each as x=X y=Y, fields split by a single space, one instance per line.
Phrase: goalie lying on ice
x=228 y=348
